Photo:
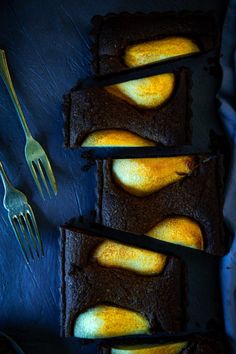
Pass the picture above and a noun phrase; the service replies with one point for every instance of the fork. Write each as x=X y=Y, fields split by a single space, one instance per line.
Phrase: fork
x=22 y=220
x=35 y=155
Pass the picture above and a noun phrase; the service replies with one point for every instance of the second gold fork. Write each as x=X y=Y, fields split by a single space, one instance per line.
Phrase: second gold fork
x=35 y=155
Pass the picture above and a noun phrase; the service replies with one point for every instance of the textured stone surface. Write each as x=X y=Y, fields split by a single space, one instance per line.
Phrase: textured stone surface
x=47 y=45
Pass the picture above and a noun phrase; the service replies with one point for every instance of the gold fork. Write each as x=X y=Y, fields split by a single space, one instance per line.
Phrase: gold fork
x=22 y=220
x=35 y=155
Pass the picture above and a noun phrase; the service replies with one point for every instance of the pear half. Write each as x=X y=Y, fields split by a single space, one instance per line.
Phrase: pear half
x=149 y=92
x=157 y=50
x=114 y=254
x=143 y=176
x=109 y=321
x=115 y=137
x=174 y=348
x=181 y=230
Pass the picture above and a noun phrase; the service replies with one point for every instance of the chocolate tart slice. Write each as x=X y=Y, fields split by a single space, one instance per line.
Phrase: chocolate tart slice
x=195 y=344
x=130 y=40
x=112 y=289
x=144 y=112
x=175 y=199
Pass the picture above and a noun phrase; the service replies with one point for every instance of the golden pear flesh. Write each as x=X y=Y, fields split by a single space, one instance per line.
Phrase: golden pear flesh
x=174 y=348
x=114 y=254
x=149 y=92
x=157 y=50
x=109 y=321
x=115 y=137
x=181 y=230
x=144 y=176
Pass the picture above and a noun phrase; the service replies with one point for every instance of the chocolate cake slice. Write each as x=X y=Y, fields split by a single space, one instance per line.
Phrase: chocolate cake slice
x=175 y=199
x=110 y=289
x=195 y=344
x=120 y=121
x=129 y=40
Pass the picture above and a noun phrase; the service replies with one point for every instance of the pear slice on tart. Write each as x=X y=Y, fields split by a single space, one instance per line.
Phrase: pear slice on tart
x=109 y=321
x=115 y=137
x=157 y=50
x=113 y=254
x=144 y=176
x=173 y=348
x=149 y=92
x=180 y=230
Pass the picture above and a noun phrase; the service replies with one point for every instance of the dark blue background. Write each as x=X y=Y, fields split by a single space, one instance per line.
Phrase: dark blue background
x=47 y=46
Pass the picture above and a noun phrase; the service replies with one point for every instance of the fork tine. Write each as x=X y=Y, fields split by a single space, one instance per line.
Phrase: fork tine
x=50 y=175
x=24 y=233
x=18 y=237
x=35 y=227
x=43 y=177
x=30 y=231
x=34 y=174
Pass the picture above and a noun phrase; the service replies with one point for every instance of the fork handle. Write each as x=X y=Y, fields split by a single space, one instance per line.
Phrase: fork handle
x=5 y=180
x=5 y=74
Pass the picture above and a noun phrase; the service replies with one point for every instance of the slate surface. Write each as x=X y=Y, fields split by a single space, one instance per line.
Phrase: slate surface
x=47 y=45
x=227 y=97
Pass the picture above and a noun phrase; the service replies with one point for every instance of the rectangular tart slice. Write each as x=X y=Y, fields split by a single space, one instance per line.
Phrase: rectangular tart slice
x=112 y=289
x=129 y=40
x=176 y=199
x=194 y=344
x=144 y=112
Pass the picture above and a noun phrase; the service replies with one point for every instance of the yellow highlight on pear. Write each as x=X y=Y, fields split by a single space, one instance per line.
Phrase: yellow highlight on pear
x=114 y=254
x=143 y=176
x=109 y=321
x=180 y=230
x=174 y=348
x=115 y=137
x=157 y=50
x=149 y=92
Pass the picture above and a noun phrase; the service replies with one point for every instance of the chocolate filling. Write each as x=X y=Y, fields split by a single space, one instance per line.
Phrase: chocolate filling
x=89 y=110
x=198 y=196
x=112 y=34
